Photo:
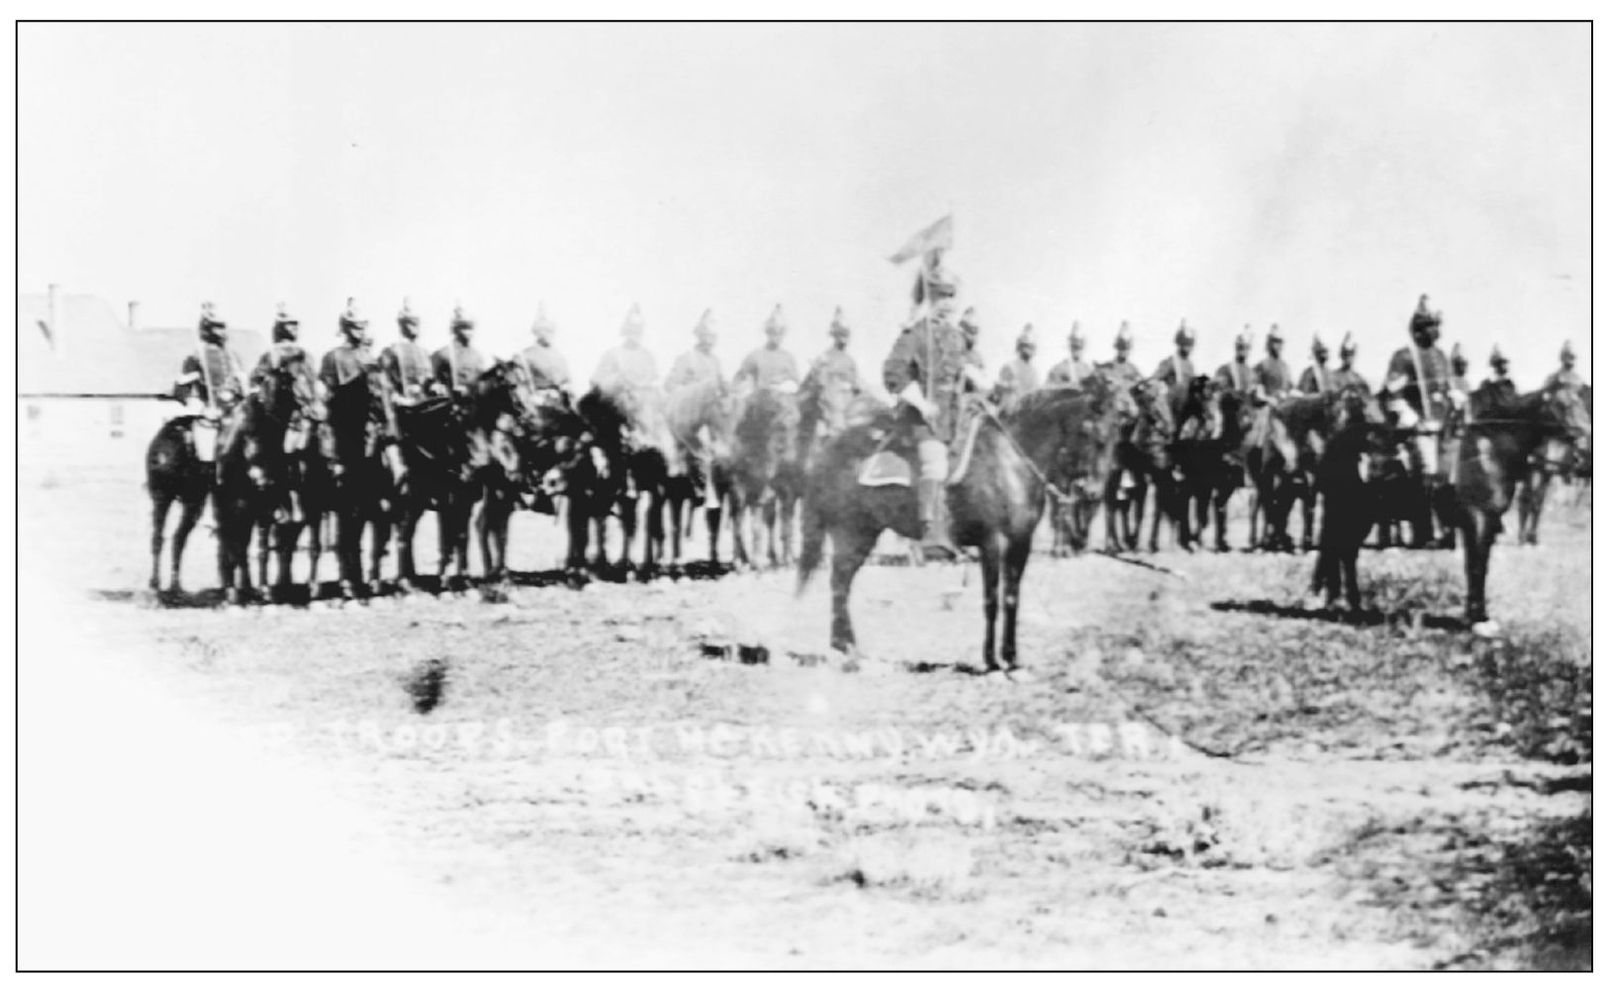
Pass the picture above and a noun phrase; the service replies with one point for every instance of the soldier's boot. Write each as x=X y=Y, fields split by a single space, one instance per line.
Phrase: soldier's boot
x=935 y=542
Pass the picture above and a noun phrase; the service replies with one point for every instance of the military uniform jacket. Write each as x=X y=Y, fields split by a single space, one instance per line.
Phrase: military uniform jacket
x=630 y=369
x=1018 y=378
x=546 y=366
x=224 y=373
x=767 y=367
x=458 y=366
x=1318 y=380
x=831 y=380
x=1344 y=378
x=1237 y=376
x=1175 y=371
x=1564 y=378
x=280 y=353
x=1420 y=366
x=407 y=368
x=932 y=353
x=1123 y=374
x=1070 y=373
x=1273 y=375
x=693 y=368
x=344 y=365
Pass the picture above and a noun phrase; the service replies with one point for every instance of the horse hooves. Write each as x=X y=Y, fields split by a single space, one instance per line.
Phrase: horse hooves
x=1486 y=629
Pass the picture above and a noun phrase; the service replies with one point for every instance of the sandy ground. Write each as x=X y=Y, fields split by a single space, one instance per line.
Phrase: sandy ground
x=1192 y=773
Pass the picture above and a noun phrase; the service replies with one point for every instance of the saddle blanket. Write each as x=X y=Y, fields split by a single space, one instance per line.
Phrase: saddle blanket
x=886 y=468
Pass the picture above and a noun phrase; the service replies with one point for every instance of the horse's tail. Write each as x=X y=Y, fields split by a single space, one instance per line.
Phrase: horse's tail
x=813 y=531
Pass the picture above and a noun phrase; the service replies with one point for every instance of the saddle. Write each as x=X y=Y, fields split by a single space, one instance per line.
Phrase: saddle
x=890 y=468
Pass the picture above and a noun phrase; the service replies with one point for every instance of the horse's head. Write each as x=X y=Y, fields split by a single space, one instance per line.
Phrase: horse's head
x=766 y=432
x=1568 y=417
x=1200 y=417
x=1353 y=406
x=286 y=390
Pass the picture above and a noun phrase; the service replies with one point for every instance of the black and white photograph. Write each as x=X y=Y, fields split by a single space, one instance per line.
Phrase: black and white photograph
x=809 y=495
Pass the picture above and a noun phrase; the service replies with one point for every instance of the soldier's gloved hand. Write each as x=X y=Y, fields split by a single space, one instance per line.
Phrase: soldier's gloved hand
x=913 y=396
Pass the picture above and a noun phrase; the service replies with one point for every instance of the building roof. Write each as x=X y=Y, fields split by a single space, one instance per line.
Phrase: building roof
x=92 y=351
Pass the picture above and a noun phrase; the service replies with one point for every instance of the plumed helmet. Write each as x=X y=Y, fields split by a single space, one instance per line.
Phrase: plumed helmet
x=283 y=317
x=775 y=326
x=1319 y=345
x=1026 y=338
x=1275 y=336
x=1457 y=354
x=942 y=282
x=633 y=325
x=969 y=322
x=1348 y=343
x=1424 y=316
x=350 y=317
x=407 y=314
x=285 y=325
x=838 y=327
x=1076 y=335
x=210 y=321
x=1125 y=338
x=705 y=329
x=462 y=320
x=1184 y=334
x=1497 y=358
x=1244 y=340
x=1567 y=353
x=542 y=327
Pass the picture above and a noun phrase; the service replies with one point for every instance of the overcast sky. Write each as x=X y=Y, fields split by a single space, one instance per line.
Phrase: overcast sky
x=1316 y=176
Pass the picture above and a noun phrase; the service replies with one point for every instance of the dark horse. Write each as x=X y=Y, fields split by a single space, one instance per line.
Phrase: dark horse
x=1283 y=468
x=1143 y=457
x=1350 y=496
x=995 y=502
x=632 y=458
x=1195 y=457
x=1494 y=456
x=530 y=436
x=766 y=477
x=174 y=473
x=363 y=492
x=1557 y=458
x=1213 y=459
x=252 y=468
x=440 y=476
x=1087 y=466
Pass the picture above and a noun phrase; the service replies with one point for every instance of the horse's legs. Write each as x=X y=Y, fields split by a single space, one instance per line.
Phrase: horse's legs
x=160 y=503
x=315 y=519
x=1162 y=504
x=787 y=506
x=990 y=560
x=407 y=524
x=189 y=514
x=655 y=534
x=1477 y=533
x=1017 y=559
x=1136 y=513
x=676 y=529
x=1306 y=493
x=713 y=527
x=850 y=549
x=769 y=519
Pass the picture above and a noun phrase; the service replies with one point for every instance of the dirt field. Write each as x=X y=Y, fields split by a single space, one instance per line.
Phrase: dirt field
x=1193 y=773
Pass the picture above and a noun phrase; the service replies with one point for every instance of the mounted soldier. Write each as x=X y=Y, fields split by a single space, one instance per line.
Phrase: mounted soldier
x=1418 y=393
x=1318 y=379
x=1273 y=377
x=1072 y=371
x=1457 y=370
x=1176 y=371
x=210 y=385
x=1499 y=381
x=546 y=369
x=830 y=383
x=1567 y=376
x=1018 y=377
x=769 y=366
x=405 y=364
x=1237 y=375
x=925 y=371
x=458 y=365
x=699 y=366
x=628 y=369
x=1345 y=377
x=286 y=351
x=1124 y=375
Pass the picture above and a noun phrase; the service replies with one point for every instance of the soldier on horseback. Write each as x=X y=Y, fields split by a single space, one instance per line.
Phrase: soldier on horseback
x=405 y=364
x=1018 y=377
x=1120 y=371
x=925 y=371
x=1074 y=369
x=830 y=383
x=627 y=369
x=1567 y=376
x=1419 y=397
x=458 y=365
x=1345 y=377
x=699 y=366
x=1457 y=370
x=1176 y=371
x=769 y=366
x=1499 y=382
x=286 y=351
x=1237 y=375
x=211 y=383
x=545 y=366
x=1273 y=377
x=1318 y=379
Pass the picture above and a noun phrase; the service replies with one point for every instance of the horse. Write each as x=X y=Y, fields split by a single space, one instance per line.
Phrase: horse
x=701 y=418
x=1088 y=464
x=174 y=472
x=1556 y=458
x=1494 y=455
x=1343 y=483
x=440 y=476
x=636 y=457
x=1283 y=470
x=362 y=488
x=995 y=497
x=307 y=491
x=766 y=478
x=529 y=435
x=1214 y=456
x=252 y=468
x=1143 y=455
x=1195 y=454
